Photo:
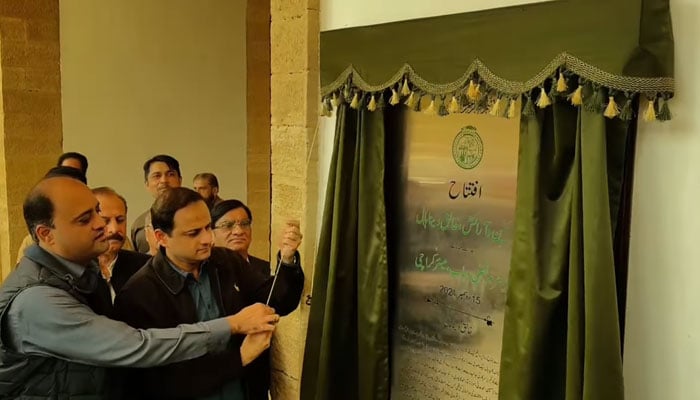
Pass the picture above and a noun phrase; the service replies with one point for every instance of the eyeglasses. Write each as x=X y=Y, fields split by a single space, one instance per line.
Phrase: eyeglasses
x=228 y=226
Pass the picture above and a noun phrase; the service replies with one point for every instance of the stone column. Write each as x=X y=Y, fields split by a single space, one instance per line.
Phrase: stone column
x=30 y=110
x=294 y=108
x=258 y=120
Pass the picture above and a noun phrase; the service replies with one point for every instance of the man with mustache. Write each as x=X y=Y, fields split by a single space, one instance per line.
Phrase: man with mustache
x=207 y=185
x=160 y=173
x=116 y=264
x=54 y=344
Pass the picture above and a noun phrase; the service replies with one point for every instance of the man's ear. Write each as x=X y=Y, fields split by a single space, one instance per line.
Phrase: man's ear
x=44 y=234
x=215 y=191
x=161 y=238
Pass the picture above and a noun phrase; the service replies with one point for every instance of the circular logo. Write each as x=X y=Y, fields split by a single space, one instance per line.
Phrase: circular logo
x=467 y=148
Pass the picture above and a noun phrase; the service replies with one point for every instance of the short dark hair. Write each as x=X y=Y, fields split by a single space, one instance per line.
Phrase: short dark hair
x=211 y=178
x=77 y=156
x=225 y=206
x=105 y=190
x=168 y=203
x=171 y=162
x=67 y=172
x=38 y=210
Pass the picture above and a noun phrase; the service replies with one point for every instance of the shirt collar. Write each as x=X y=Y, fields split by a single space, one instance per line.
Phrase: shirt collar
x=74 y=268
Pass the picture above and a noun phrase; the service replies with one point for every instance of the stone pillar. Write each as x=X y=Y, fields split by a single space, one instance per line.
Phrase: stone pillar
x=294 y=107
x=258 y=120
x=30 y=110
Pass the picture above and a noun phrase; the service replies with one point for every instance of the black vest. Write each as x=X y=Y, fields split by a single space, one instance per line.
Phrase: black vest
x=38 y=377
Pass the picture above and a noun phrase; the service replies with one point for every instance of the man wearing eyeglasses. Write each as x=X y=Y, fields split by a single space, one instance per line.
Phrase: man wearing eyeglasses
x=232 y=222
x=160 y=173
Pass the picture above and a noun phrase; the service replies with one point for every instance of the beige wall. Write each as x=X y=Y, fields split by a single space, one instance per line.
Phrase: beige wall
x=30 y=110
x=662 y=335
x=141 y=78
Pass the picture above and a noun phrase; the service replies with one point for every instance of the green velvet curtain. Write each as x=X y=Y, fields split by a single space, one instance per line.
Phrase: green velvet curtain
x=347 y=345
x=620 y=37
x=562 y=330
x=563 y=327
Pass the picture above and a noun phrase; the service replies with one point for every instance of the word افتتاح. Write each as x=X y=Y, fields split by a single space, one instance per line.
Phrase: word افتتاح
x=469 y=189
x=448 y=222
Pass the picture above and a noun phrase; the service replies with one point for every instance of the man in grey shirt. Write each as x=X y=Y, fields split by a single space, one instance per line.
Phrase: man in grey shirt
x=54 y=342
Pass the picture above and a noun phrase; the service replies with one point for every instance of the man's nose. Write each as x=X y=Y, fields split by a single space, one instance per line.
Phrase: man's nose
x=98 y=223
x=111 y=226
x=207 y=237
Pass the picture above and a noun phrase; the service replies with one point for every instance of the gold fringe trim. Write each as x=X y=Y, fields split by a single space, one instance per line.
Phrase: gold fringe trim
x=543 y=101
x=355 y=103
x=504 y=86
x=612 y=110
x=405 y=90
x=431 y=108
x=474 y=92
x=394 y=100
x=454 y=106
x=577 y=96
x=496 y=108
x=411 y=101
x=511 y=109
x=561 y=83
x=650 y=113
x=372 y=104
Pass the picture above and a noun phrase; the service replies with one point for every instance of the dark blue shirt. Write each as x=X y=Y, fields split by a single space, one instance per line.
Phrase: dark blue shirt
x=207 y=310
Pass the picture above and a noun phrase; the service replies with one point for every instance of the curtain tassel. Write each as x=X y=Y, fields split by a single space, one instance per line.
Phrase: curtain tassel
x=626 y=113
x=595 y=103
x=529 y=109
x=442 y=110
x=394 y=97
x=561 y=83
x=650 y=113
x=577 y=96
x=405 y=90
x=511 y=109
x=372 y=104
x=411 y=101
x=496 y=108
x=664 y=111
x=416 y=105
x=431 y=108
x=335 y=100
x=544 y=100
x=355 y=103
x=325 y=110
x=611 y=111
x=473 y=92
x=454 y=106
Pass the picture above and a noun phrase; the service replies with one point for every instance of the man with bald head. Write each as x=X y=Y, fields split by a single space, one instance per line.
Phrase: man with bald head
x=53 y=342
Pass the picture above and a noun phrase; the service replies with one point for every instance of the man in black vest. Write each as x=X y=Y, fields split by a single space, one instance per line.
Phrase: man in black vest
x=52 y=342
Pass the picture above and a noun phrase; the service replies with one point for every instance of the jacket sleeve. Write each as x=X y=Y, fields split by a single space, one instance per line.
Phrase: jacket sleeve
x=287 y=289
x=47 y=321
x=194 y=378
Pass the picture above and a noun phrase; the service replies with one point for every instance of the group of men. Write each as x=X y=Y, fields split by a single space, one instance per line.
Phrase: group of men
x=188 y=315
